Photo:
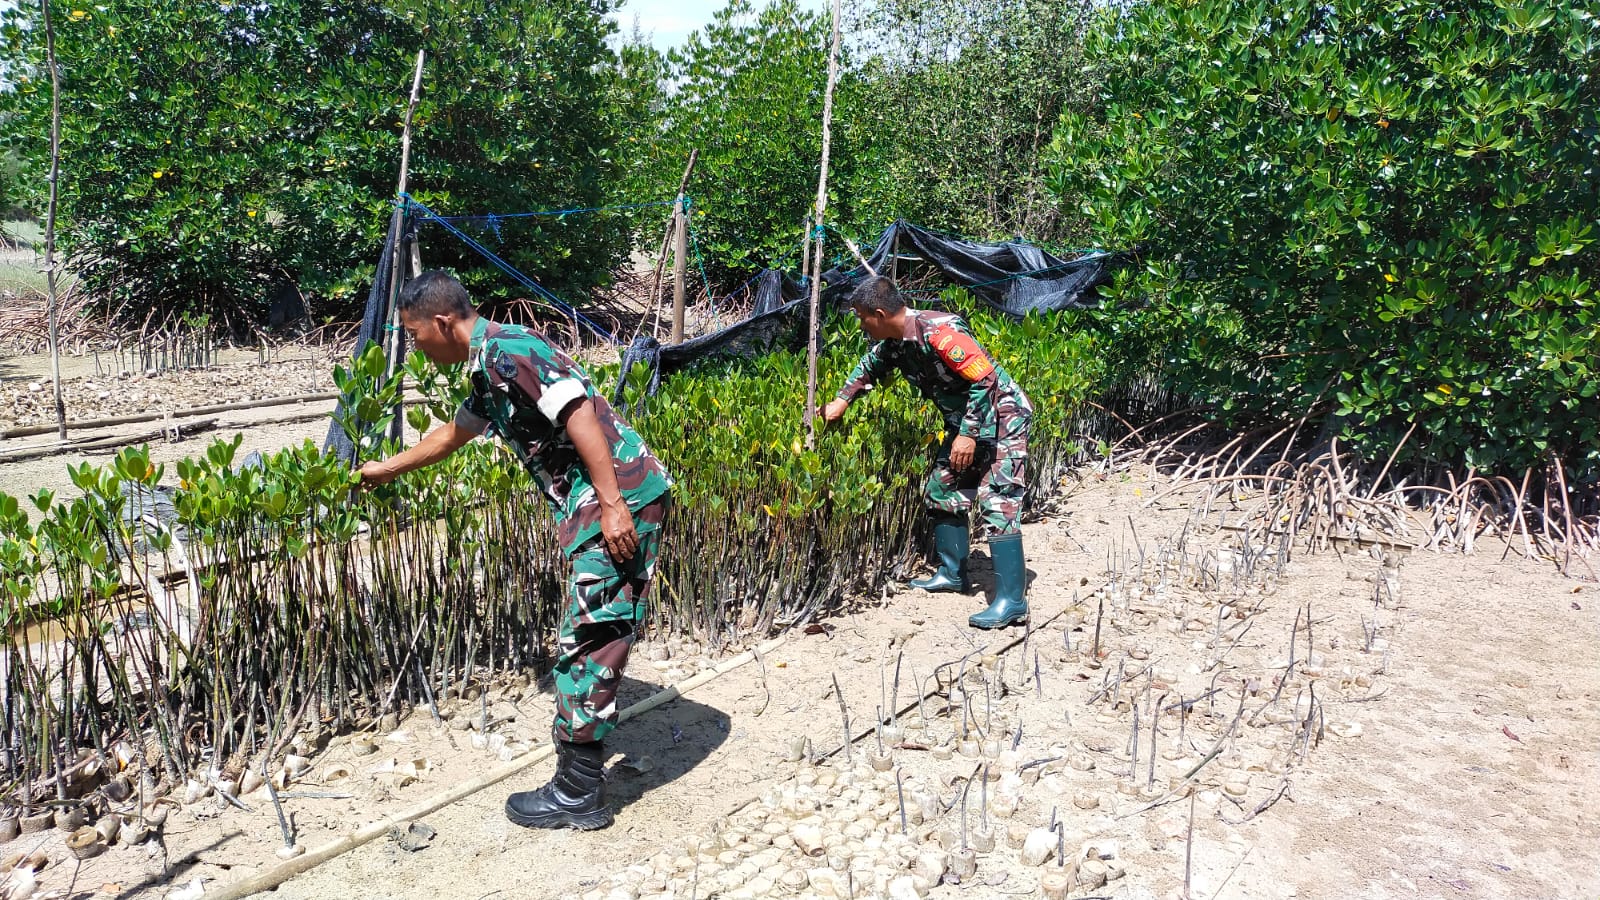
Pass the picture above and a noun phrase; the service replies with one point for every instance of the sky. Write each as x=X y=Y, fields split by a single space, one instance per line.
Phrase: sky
x=669 y=22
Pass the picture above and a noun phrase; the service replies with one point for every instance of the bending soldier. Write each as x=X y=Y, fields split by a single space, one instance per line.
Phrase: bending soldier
x=986 y=419
x=609 y=496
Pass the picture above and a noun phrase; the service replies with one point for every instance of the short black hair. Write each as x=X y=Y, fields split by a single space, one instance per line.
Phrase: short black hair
x=877 y=293
x=435 y=293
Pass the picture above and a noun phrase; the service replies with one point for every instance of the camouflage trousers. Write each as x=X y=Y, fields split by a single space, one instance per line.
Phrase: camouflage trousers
x=607 y=600
x=999 y=471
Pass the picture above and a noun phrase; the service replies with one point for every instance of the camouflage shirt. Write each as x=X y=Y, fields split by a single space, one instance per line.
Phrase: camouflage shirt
x=520 y=385
x=939 y=356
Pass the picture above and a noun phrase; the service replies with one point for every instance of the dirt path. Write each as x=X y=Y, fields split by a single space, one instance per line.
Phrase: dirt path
x=1474 y=692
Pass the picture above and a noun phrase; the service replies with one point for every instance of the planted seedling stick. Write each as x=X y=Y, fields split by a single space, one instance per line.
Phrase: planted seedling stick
x=894 y=696
x=1154 y=731
x=1038 y=681
x=844 y=715
x=900 y=791
x=877 y=731
x=1188 y=852
x=1133 y=746
x=964 y=789
x=1100 y=612
x=883 y=691
x=988 y=706
x=1116 y=697
x=1311 y=649
x=983 y=794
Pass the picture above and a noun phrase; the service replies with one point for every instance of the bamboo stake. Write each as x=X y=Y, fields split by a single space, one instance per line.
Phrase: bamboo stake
x=821 y=216
x=397 y=336
x=32 y=430
x=50 y=219
x=680 y=268
x=666 y=240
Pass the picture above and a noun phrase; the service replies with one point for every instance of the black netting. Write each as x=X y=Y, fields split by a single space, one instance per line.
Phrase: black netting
x=373 y=322
x=1014 y=277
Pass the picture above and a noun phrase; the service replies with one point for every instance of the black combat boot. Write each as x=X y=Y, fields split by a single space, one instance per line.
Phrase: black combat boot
x=1010 y=585
x=573 y=798
x=950 y=543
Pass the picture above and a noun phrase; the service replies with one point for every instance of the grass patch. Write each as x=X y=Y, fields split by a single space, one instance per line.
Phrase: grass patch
x=24 y=231
x=21 y=266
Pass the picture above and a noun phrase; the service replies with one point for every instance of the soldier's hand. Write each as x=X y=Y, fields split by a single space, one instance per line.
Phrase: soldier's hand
x=617 y=531
x=834 y=411
x=961 y=453
x=373 y=473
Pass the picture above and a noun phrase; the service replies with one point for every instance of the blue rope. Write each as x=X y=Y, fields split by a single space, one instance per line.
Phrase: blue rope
x=492 y=217
x=507 y=268
x=699 y=263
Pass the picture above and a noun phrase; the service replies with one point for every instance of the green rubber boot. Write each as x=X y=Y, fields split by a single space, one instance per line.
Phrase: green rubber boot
x=950 y=543
x=1010 y=585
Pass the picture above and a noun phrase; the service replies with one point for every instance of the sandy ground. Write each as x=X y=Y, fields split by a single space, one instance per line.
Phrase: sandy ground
x=1468 y=778
x=1451 y=752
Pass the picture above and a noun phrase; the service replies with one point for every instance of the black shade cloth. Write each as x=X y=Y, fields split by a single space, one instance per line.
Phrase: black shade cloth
x=1013 y=277
x=373 y=320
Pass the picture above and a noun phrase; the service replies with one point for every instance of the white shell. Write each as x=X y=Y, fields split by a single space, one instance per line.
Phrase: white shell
x=1039 y=847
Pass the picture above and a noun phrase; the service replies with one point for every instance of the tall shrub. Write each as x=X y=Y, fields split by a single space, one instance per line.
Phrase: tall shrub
x=218 y=152
x=1379 y=211
x=962 y=95
x=747 y=91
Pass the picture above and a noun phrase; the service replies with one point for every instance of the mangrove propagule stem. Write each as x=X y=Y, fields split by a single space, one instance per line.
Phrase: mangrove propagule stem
x=900 y=792
x=894 y=696
x=1188 y=852
x=1154 y=731
x=844 y=715
x=983 y=799
x=1133 y=746
x=1100 y=612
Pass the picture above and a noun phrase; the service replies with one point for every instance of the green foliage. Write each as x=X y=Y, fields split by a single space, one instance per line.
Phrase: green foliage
x=1382 y=211
x=939 y=115
x=962 y=97
x=340 y=598
x=215 y=152
x=748 y=93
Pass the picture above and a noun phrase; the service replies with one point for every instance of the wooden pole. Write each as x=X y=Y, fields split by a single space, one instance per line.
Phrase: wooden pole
x=820 y=217
x=680 y=270
x=397 y=274
x=666 y=238
x=395 y=279
x=51 y=300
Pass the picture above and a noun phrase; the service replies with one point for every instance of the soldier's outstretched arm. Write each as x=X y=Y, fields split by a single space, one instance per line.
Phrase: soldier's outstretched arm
x=872 y=369
x=436 y=445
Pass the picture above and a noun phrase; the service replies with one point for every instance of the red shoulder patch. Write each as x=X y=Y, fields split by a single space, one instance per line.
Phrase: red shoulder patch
x=961 y=353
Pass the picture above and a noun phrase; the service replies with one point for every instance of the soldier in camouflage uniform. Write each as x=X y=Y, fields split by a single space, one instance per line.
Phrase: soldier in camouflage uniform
x=986 y=419
x=609 y=495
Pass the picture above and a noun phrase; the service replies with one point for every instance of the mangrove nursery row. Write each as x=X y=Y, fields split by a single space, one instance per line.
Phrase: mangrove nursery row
x=203 y=623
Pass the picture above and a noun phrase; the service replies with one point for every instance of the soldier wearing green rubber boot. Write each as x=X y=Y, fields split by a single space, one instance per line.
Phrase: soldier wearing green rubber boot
x=986 y=419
